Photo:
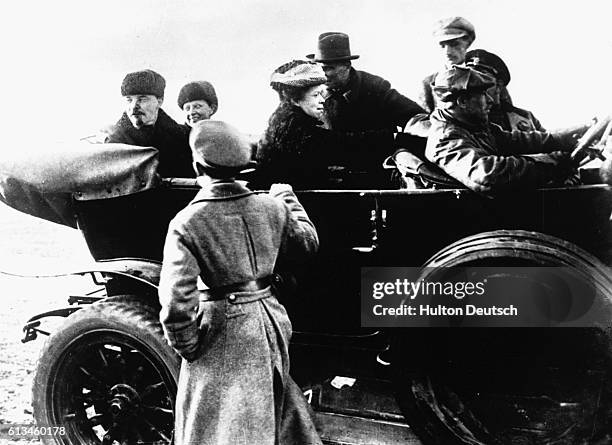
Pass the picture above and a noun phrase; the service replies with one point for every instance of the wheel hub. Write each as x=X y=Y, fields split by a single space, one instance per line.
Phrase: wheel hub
x=125 y=401
x=111 y=382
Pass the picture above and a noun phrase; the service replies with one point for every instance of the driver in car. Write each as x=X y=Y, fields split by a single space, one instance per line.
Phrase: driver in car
x=481 y=155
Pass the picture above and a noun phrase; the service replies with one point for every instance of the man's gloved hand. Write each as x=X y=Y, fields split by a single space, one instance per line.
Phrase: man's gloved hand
x=568 y=137
x=564 y=167
x=563 y=159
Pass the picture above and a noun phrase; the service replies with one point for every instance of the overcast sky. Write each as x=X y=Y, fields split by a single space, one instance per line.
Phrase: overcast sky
x=64 y=60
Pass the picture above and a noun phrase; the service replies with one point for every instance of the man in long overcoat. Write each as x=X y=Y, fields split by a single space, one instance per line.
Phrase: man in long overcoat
x=145 y=124
x=361 y=103
x=234 y=385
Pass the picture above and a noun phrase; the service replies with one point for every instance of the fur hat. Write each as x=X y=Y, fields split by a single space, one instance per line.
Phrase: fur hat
x=333 y=47
x=460 y=80
x=201 y=90
x=217 y=145
x=452 y=28
x=143 y=82
x=299 y=74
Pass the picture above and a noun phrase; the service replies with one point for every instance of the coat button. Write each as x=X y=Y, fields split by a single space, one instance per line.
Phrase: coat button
x=232 y=297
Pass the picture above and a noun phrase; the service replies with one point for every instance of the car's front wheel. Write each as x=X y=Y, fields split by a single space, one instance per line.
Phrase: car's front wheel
x=107 y=377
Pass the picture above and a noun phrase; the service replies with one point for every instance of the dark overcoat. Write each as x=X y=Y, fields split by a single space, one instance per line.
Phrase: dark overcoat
x=235 y=388
x=367 y=105
x=296 y=150
x=170 y=138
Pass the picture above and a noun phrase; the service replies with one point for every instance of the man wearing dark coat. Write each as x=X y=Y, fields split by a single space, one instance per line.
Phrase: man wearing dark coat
x=358 y=101
x=145 y=124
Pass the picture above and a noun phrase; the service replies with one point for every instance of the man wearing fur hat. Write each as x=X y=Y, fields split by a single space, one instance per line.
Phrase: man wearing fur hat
x=145 y=124
x=234 y=385
x=361 y=102
x=454 y=35
x=482 y=156
x=198 y=100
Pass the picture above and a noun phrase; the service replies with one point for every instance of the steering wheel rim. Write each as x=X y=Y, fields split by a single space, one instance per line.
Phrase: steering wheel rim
x=582 y=149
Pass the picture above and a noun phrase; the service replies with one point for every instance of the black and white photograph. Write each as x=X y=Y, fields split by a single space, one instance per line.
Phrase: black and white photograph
x=338 y=222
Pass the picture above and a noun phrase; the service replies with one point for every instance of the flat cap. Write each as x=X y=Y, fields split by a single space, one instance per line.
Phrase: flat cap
x=143 y=82
x=452 y=28
x=301 y=74
x=460 y=80
x=200 y=90
x=479 y=57
x=219 y=145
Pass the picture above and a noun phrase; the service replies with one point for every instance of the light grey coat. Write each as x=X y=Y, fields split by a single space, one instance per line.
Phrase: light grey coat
x=235 y=386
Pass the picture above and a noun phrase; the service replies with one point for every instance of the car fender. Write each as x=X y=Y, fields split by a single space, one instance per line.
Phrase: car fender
x=139 y=269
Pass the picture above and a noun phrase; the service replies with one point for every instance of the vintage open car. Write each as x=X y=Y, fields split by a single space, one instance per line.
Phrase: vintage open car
x=109 y=377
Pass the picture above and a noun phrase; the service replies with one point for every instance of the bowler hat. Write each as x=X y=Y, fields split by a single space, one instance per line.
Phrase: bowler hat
x=333 y=47
x=452 y=28
x=219 y=145
x=482 y=57
x=201 y=90
x=457 y=80
x=143 y=82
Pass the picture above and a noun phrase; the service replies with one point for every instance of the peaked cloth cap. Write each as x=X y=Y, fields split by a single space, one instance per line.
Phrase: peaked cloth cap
x=452 y=28
x=217 y=144
x=482 y=57
x=200 y=90
x=306 y=74
x=143 y=82
x=333 y=47
x=460 y=80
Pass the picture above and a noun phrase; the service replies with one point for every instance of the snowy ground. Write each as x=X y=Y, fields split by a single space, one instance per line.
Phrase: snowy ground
x=33 y=246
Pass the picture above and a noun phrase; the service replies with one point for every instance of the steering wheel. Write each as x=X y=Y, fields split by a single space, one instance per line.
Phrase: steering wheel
x=585 y=147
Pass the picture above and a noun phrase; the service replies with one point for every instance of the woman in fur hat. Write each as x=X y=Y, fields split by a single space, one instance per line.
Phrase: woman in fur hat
x=297 y=148
x=198 y=100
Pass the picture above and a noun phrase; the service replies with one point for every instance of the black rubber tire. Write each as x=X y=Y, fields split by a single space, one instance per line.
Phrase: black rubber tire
x=444 y=377
x=118 y=341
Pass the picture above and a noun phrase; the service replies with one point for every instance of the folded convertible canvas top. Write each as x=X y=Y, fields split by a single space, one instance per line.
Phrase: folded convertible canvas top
x=42 y=181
